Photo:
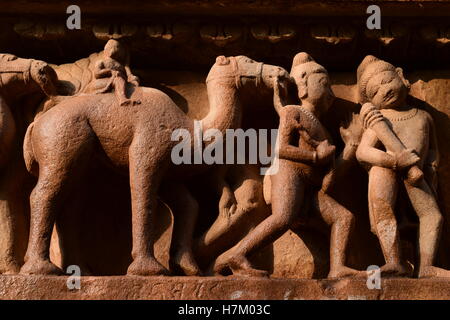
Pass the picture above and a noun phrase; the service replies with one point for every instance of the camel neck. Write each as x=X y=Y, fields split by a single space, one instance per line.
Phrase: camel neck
x=224 y=107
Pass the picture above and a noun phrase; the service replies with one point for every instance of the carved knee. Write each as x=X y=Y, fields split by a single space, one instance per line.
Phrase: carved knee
x=434 y=217
x=382 y=209
x=346 y=218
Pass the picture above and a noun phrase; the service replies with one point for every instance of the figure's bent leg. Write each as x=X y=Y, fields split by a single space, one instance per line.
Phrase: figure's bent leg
x=430 y=226
x=120 y=87
x=383 y=187
x=225 y=231
x=145 y=178
x=185 y=210
x=287 y=196
x=342 y=222
x=120 y=91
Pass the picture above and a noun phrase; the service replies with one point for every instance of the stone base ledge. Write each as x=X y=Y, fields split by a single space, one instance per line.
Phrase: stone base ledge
x=198 y=288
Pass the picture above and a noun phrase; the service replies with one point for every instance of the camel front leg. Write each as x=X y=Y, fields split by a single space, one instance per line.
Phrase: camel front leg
x=145 y=179
x=44 y=202
x=185 y=210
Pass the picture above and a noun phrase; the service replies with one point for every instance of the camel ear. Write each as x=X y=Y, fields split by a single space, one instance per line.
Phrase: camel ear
x=222 y=60
x=405 y=81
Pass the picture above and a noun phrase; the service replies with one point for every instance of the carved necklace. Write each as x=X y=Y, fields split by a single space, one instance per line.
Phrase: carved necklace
x=310 y=115
x=410 y=114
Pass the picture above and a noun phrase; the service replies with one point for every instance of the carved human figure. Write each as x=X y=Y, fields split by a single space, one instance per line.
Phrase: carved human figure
x=383 y=91
x=114 y=67
x=137 y=140
x=305 y=157
x=241 y=206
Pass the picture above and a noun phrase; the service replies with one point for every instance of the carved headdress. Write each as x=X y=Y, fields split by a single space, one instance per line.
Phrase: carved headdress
x=303 y=63
x=370 y=66
x=302 y=66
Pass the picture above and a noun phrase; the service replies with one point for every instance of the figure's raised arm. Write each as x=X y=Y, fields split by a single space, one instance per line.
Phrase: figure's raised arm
x=100 y=70
x=278 y=103
x=287 y=129
x=367 y=152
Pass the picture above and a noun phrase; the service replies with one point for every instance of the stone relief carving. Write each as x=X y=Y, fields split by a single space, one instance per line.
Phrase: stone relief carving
x=96 y=108
x=138 y=140
x=305 y=157
x=407 y=135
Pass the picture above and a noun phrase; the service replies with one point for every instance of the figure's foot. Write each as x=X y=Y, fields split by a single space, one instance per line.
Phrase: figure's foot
x=239 y=266
x=394 y=270
x=343 y=272
x=433 y=272
x=183 y=262
x=40 y=267
x=146 y=267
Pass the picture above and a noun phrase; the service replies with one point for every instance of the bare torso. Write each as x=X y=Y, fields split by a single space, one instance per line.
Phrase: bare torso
x=111 y=64
x=412 y=127
x=304 y=120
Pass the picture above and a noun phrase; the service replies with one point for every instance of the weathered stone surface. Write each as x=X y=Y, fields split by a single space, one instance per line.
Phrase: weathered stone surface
x=171 y=53
x=292 y=258
x=217 y=288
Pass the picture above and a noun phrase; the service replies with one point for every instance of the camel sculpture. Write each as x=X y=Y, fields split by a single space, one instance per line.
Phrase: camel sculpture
x=24 y=83
x=136 y=139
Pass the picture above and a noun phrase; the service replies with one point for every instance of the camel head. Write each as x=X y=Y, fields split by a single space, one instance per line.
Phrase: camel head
x=44 y=76
x=21 y=76
x=242 y=72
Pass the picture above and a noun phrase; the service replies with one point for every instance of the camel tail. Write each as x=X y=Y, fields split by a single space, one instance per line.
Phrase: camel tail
x=28 y=153
x=267 y=188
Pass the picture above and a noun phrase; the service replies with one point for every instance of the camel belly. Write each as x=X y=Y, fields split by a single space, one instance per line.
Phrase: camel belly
x=115 y=129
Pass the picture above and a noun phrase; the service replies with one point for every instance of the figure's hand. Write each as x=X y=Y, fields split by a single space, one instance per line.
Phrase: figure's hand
x=351 y=133
x=134 y=80
x=280 y=87
x=227 y=203
x=325 y=152
x=406 y=159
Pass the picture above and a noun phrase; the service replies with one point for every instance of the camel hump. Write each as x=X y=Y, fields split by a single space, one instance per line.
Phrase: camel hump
x=151 y=92
x=152 y=96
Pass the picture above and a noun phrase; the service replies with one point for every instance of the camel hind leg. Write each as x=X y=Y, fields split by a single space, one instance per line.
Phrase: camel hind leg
x=61 y=165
